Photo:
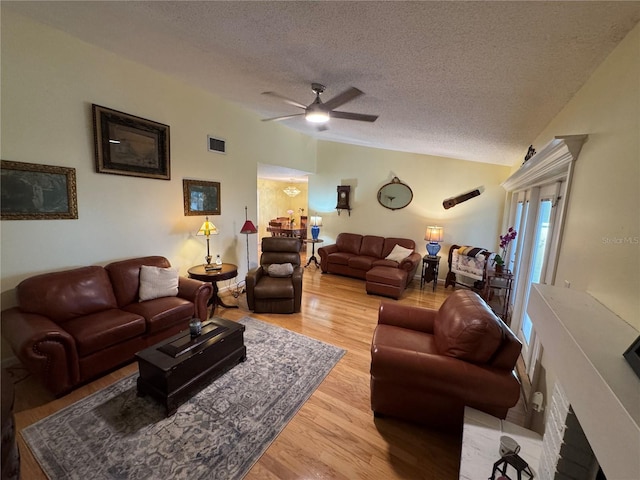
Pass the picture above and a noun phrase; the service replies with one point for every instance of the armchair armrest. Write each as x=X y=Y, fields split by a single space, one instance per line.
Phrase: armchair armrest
x=251 y=280
x=197 y=292
x=43 y=347
x=470 y=383
x=407 y=316
x=296 y=279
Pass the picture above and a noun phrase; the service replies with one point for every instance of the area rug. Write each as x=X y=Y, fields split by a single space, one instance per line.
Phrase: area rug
x=219 y=434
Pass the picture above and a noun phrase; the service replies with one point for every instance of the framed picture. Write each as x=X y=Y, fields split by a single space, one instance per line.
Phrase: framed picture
x=130 y=145
x=37 y=192
x=200 y=197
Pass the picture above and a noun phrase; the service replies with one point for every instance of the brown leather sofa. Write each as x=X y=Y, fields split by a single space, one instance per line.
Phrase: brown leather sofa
x=272 y=292
x=74 y=325
x=363 y=256
x=427 y=365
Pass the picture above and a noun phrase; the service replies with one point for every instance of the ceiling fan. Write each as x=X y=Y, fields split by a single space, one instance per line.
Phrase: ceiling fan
x=319 y=112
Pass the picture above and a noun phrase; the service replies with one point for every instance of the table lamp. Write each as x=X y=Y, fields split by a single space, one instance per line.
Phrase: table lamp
x=248 y=228
x=207 y=229
x=434 y=235
x=316 y=223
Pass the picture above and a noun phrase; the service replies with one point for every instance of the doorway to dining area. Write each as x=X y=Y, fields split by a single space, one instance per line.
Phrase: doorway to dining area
x=282 y=202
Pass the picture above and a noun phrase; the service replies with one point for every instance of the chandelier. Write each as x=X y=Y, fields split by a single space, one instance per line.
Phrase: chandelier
x=291 y=191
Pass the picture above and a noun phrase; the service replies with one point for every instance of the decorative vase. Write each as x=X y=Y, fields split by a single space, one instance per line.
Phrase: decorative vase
x=499 y=268
x=315 y=231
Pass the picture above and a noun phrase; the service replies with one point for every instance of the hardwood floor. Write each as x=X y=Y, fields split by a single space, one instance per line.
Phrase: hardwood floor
x=334 y=435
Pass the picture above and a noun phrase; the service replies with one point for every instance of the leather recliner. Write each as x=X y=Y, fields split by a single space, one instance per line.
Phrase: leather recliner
x=427 y=365
x=271 y=293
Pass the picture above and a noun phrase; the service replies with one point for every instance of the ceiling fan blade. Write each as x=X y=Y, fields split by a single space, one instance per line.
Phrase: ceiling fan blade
x=283 y=117
x=285 y=99
x=354 y=116
x=342 y=98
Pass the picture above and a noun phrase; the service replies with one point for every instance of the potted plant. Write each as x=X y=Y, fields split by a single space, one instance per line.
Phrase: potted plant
x=505 y=240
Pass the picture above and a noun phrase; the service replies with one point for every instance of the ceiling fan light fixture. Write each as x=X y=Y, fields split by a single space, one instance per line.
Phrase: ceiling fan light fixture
x=317 y=116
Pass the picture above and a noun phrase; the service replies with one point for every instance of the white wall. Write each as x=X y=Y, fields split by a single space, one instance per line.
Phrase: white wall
x=49 y=81
x=601 y=247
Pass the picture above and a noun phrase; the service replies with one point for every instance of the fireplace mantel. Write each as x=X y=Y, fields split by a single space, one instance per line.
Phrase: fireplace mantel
x=583 y=343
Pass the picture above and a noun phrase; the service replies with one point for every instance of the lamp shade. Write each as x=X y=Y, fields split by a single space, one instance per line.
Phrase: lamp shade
x=248 y=227
x=207 y=228
x=434 y=234
x=315 y=220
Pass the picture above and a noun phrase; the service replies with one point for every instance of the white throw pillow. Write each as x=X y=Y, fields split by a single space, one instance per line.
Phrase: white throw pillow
x=280 y=270
x=399 y=253
x=156 y=282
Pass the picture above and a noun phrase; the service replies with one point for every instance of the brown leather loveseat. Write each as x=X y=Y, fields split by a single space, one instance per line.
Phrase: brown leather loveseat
x=73 y=325
x=427 y=365
x=365 y=257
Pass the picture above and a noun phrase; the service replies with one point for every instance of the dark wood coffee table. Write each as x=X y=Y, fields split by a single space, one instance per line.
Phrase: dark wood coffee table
x=176 y=368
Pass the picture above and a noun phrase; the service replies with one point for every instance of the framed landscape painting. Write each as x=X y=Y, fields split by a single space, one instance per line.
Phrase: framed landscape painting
x=32 y=191
x=130 y=145
x=200 y=197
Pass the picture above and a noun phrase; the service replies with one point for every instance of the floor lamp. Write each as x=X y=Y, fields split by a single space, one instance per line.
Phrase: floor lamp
x=248 y=228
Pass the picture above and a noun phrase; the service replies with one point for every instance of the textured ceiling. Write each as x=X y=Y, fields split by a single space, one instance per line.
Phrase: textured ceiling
x=470 y=80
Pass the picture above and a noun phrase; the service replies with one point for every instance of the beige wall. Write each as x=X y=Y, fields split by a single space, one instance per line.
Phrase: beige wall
x=601 y=247
x=432 y=179
x=49 y=81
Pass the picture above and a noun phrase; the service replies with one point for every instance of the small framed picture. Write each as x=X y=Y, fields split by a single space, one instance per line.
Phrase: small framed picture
x=130 y=145
x=200 y=197
x=31 y=191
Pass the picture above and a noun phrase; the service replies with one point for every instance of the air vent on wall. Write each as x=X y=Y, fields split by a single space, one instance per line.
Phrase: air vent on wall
x=216 y=145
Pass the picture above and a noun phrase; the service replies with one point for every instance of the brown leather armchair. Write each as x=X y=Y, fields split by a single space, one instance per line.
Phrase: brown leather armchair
x=427 y=365
x=269 y=291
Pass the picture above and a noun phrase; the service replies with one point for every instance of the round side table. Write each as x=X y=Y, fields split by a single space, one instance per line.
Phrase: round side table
x=313 y=251
x=228 y=270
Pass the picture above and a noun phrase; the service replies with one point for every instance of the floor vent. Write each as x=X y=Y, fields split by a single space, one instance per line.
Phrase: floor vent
x=216 y=145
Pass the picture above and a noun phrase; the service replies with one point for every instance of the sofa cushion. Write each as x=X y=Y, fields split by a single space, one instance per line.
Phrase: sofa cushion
x=156 y=282
x=383 y=262
x=399 y=253
x=125 y=277
x=274 y=288
x=162 y=313
x=361 y=262
x=466 y=328
x=65 y=295
x=372 y=246
x=101 y=330
x=341 y=258
x=349 y=242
